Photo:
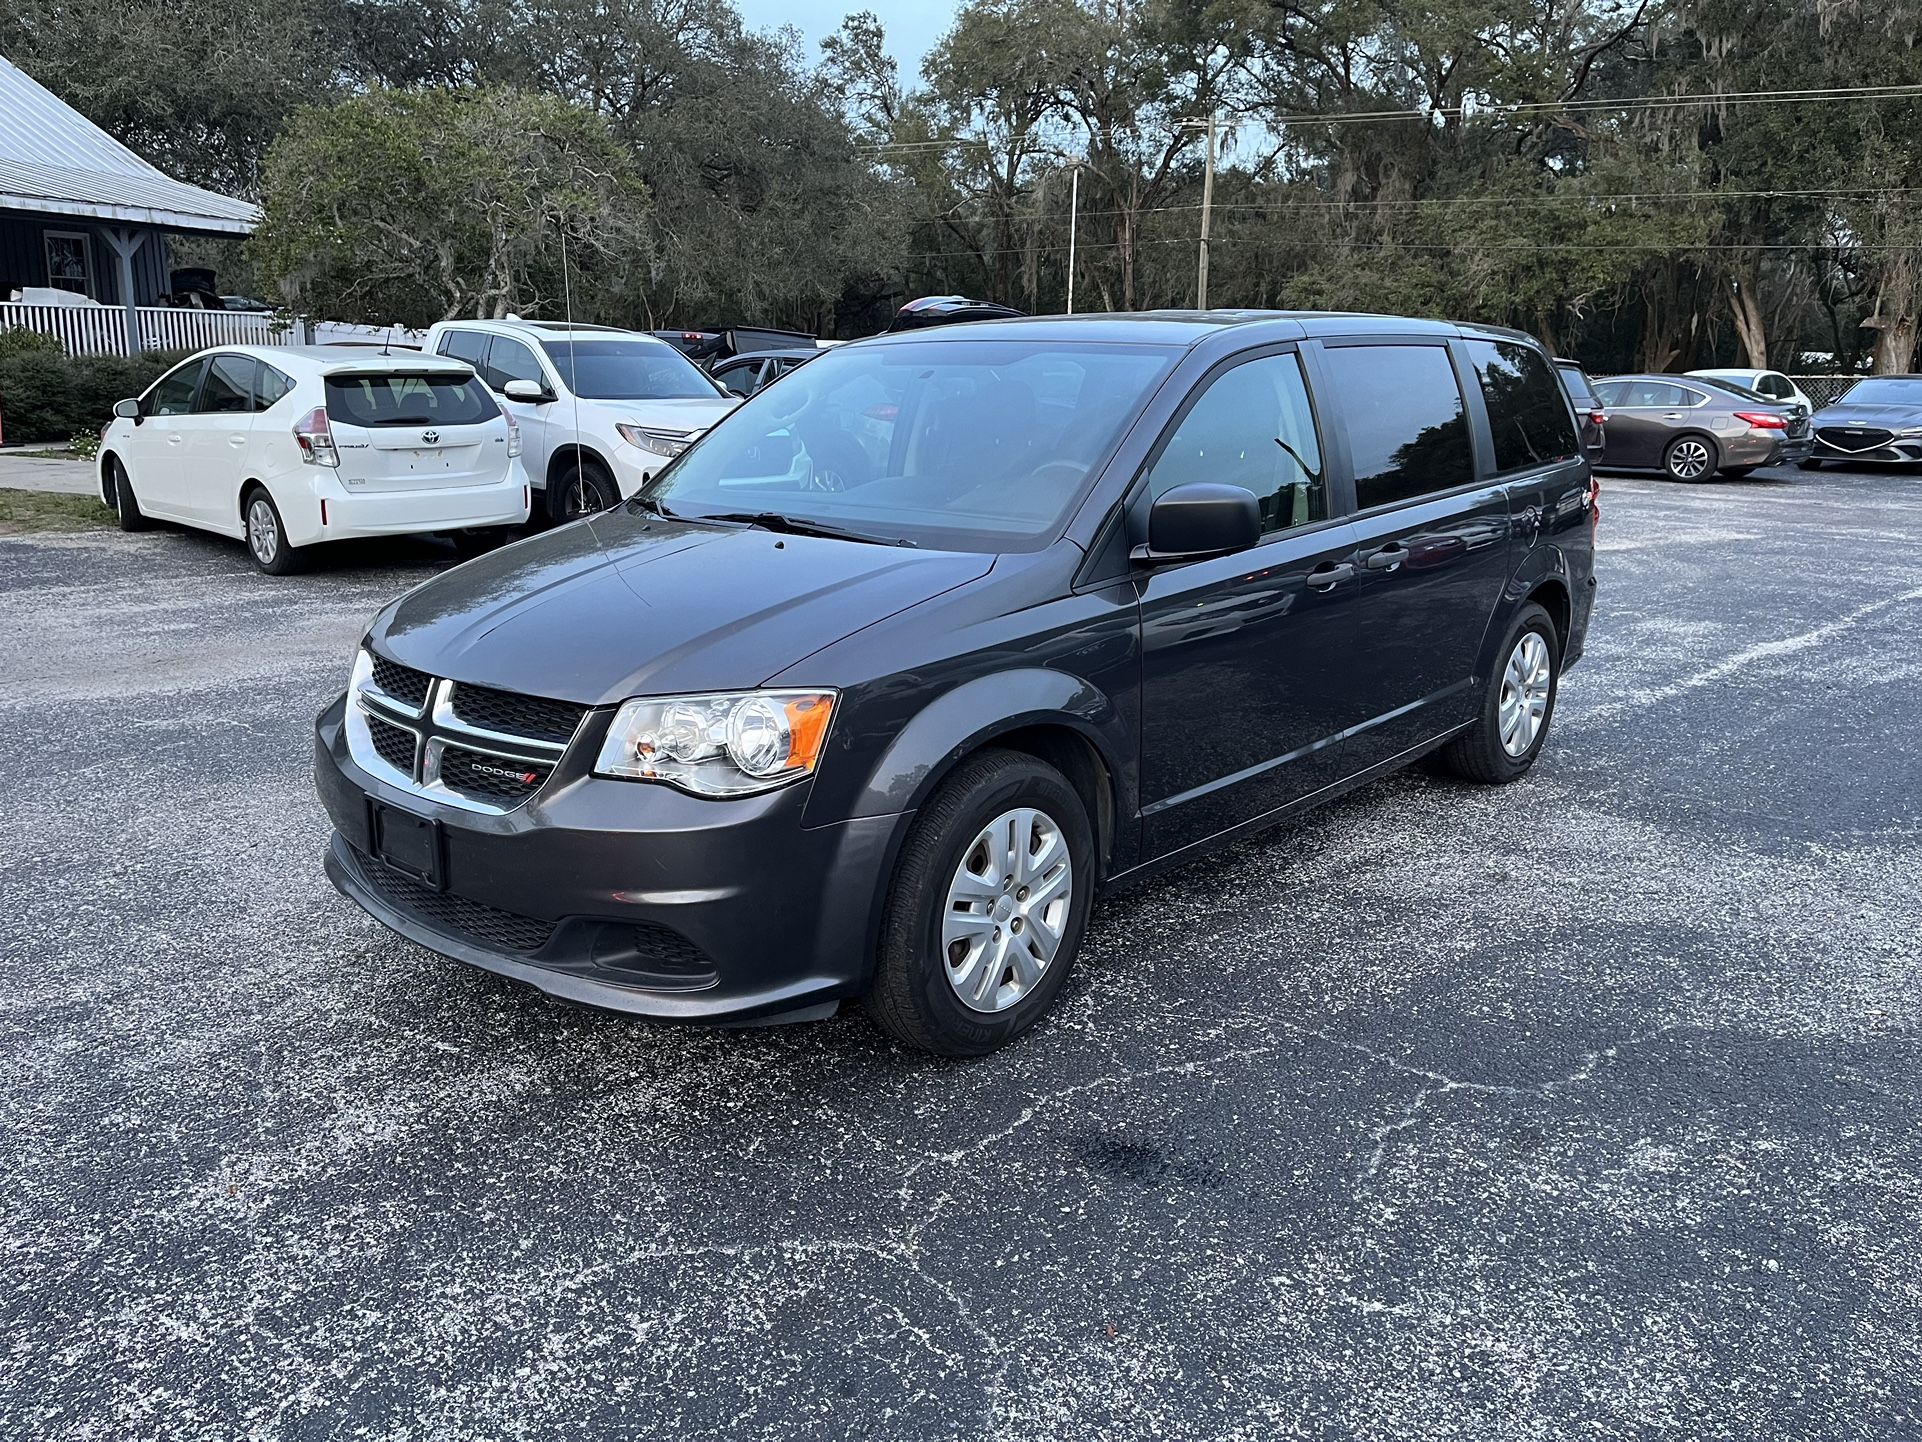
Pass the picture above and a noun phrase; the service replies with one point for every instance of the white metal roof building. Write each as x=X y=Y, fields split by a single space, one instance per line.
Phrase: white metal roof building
x=81 y=213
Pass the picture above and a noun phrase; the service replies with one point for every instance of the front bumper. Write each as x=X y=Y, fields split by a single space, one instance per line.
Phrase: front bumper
x=628 y=895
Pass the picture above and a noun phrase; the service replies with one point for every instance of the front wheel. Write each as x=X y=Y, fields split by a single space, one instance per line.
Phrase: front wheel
x=582 y=488
x=1520 y=702
x=986 y=912
x=125 y=504
x=1690 y=458
x=267 y=537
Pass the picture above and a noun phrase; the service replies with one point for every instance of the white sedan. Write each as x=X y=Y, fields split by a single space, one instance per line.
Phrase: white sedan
x=285 y=447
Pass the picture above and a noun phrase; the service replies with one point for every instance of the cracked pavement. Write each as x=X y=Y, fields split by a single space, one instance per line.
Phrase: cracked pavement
x=1580 y=1108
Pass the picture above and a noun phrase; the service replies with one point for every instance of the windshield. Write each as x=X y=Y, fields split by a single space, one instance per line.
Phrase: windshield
x=627 y=370
x=945 y=443
x=1885 y=391
x=1718 y=383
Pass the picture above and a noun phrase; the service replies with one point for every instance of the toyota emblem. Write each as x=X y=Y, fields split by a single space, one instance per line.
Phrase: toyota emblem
x=431 y=438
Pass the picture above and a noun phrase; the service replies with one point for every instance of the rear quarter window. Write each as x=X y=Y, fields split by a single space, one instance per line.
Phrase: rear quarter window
x=408 y=400
x=1527 y=415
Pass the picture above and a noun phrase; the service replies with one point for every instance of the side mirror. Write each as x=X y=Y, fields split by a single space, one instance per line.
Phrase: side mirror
x=1201 y=519
x=127 y=410
x=533 y=392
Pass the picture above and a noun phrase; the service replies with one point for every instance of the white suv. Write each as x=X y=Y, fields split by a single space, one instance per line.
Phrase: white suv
x=601 y=410
x=284 y=446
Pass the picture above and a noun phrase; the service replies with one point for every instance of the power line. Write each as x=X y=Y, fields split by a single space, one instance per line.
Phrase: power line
x=1490 y=109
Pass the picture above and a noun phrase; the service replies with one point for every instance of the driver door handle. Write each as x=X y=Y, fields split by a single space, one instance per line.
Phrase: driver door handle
x=1387 y=558
x=1330 y=574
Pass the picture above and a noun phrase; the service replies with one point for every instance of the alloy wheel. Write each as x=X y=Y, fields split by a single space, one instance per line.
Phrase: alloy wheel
x=1524 y=702
x=1007 y=909
x=583 y=496
x=1687 y=459
x=263 y=531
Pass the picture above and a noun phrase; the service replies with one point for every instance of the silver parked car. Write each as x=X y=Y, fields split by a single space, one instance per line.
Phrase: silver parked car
x=1693 y=428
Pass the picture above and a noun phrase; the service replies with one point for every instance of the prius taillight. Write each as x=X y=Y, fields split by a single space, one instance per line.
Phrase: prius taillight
x=316 y=439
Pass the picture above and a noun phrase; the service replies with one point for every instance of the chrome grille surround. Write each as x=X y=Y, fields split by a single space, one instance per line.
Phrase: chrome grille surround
x=437 y=733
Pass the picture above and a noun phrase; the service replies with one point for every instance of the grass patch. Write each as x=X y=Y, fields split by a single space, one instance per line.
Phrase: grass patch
x=24 y=512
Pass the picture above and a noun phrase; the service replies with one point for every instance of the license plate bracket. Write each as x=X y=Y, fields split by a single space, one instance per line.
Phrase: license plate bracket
x=408 y=843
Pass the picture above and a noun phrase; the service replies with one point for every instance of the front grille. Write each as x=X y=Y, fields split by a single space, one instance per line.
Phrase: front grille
x=1855 y=438
x=393 y=744
x=403 y=683
x=531 y=716
x=478 y=774
x=455 y=916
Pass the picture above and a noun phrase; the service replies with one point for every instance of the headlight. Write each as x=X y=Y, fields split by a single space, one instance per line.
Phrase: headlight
x=1908 y=433
x=727 y=745
x=652 y=438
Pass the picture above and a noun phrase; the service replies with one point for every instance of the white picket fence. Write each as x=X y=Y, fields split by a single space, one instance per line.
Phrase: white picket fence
x=102 y=329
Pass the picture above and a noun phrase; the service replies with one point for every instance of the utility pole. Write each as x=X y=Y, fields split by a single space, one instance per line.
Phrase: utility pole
x=1074 y=214
x=1207 y=203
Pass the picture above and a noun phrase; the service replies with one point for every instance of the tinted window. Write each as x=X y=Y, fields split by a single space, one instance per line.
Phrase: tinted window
x=404 y=400
x=1402 y=413
x=509 y=360
x=630 y=370
x=174 y=395
x=467 y=345
x=229 y=388
x=956 y=444
x=269 y=386
x=739 y=379
x=1527 y=413
x=1252 y=428
x=1575 y=381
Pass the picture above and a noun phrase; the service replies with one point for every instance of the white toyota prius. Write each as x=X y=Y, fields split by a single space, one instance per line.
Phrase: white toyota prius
x=285 y=447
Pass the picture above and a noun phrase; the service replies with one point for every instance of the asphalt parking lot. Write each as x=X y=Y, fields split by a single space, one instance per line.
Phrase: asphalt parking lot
x=1583 y=1108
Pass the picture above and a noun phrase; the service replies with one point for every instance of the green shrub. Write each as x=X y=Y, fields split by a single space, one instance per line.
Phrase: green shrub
x=47 y=395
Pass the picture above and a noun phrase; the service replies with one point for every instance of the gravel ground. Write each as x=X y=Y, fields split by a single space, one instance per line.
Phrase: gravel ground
x=1583 y=1108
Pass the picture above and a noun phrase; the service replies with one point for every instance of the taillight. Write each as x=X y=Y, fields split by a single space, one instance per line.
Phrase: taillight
x=513 y=436
x=316 y=439
x=1762 y=420
x=1598 y=418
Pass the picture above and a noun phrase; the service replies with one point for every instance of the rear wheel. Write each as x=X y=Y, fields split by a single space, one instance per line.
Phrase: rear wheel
x=125 y=505
x=1690 y=458
x=1520 y=702
x=986 y=912
x=267 y=537
x=580 y=488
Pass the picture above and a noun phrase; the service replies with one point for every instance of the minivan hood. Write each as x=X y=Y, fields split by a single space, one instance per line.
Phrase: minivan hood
x=633 y=605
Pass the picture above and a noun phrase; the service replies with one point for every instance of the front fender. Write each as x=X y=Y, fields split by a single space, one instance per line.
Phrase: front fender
x=971 y=715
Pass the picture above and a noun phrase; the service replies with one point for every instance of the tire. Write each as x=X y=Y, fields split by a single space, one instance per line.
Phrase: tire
x=931 y=950
x=125 y=504
x=1480 y=753
x=583 y=489
x=1691 y=458
x=1811 y=464
x=1737 y=473
x=266 y=535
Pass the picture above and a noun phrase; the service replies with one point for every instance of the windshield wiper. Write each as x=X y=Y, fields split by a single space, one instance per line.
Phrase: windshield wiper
x=648 y=503
x=794 y=526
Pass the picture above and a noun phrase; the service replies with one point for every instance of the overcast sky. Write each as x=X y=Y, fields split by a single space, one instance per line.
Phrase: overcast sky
x=912 y=26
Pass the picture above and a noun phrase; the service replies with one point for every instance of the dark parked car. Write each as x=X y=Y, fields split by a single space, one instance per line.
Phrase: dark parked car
x=933 y=310
x=1694 y=429
x=1879 y=418
x=708 y=346
x=1099 y=593
x=743 y=375
x=1590 y=414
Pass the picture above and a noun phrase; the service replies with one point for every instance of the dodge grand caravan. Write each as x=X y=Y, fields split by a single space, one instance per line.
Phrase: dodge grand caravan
x=1099 y=593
